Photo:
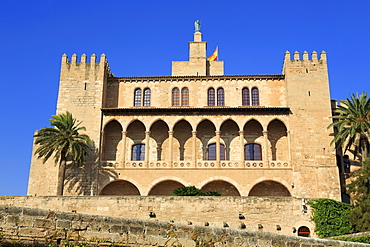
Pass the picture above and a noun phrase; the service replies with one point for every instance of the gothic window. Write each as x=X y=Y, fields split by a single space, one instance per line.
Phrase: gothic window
x=137 y=97
x=253 y=151
x=212 y=151
x=255 y=96
x=185 y=96
x=211 y=97
x=245 y=97
x=138 y=152
x=220 y=97
x=175 y=97
x=146 y=97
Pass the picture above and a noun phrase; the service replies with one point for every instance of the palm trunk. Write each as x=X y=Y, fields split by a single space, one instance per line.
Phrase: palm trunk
x=364 y=151
x=61 y=174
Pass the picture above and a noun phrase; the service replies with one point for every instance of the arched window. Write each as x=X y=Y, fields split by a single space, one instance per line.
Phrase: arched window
x=175 y=97
x=212 y=151
x=138 y=152
x=220 y=97
x=146 y=97
x=137 y=97
x=245 y=97
x=255 y=96
x=185 y=96
x=252 y=151
x=211 y=97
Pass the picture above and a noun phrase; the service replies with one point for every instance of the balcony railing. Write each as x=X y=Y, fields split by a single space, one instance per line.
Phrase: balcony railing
x=203 y=164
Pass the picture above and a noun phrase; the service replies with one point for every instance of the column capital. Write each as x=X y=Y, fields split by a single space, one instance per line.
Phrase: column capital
x=241 y=132
x=147 y=132
x=124 y=132
x=218 y=132
x=265 y=132
x=194 y=133
x=170 y=132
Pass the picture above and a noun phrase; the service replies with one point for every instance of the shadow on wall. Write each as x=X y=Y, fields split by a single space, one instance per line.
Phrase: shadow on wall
x=82 y=179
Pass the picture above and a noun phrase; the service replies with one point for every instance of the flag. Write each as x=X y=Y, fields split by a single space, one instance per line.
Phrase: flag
x=214 y=55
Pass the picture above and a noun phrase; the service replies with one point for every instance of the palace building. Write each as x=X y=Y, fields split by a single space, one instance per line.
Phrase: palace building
x=241 y=135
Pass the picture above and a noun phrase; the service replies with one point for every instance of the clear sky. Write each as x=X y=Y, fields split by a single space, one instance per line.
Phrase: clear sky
x=141 y=38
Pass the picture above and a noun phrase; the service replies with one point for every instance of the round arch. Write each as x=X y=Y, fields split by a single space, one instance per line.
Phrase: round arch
x=269 y=188
x=165 y=188
x=120 y=188
x=231 y=183
x=222 y=187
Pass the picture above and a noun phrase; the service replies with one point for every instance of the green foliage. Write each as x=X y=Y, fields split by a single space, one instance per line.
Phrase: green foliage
x=363 y=239
x=193 y=191
x=359 y=189
x=63 y=139
x=353 y=122
x=331 y=217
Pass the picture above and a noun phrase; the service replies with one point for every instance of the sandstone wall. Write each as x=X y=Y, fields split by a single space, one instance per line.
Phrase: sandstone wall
x=37 y=227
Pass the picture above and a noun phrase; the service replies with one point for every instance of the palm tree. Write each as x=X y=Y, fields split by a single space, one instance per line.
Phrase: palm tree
x=63 y=141
x=353 y=124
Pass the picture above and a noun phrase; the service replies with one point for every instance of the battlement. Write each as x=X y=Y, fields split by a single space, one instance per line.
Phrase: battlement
x=304 y=56
x=74 y=61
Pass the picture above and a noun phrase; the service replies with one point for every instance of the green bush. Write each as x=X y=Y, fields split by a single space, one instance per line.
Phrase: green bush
x=193 y=191
x=331 y=217
x=363 y=239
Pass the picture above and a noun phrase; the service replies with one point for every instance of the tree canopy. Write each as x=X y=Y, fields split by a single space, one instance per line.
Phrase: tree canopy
x=352 y=121
x=61 y=142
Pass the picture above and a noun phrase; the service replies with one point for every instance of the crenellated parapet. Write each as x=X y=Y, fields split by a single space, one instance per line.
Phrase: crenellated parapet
x=84 y=63
x=304 y=56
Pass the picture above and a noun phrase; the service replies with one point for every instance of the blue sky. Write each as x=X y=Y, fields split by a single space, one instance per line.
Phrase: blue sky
x=141 y=38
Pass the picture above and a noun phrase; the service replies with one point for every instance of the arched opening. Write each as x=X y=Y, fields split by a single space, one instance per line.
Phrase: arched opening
x=136 y=146
x=137 y=97
x=245 y=97
x=304 y=231
x=223 y=187
x=120 y=188
x=255 y=96
x=269 y=188
x=146 y=97
x=182 y=148
x=253 y=131
x=229 y=133
x=112 y=137
x=175 y=97
x=159 y=132
x=220 y=97
x=185 y=96
x=165 y=188
x=205 y=132
x=211 y=97
x=277 y=135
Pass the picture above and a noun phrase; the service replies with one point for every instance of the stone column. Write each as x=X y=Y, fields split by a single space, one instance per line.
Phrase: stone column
x=218 y=133
x=170 y=140
x=147 y=135
x=241 y=138
x=265 y=148
x=102 y=158
x=194 y=148
x=289 y=150
x=124 y=133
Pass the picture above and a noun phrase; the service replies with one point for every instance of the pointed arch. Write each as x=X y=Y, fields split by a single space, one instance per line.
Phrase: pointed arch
x=182 y=133
x=159 y=133
x=230 y=136
x=112 y=137
x=277 y=135
x=205 y=132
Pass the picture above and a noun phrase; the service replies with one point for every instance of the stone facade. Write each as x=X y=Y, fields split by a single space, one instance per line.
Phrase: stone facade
x=242 y=135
